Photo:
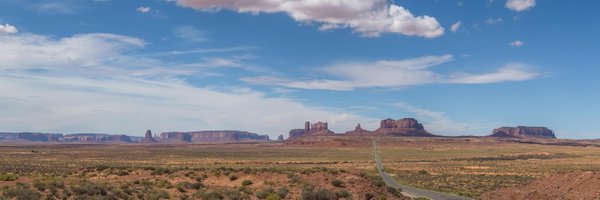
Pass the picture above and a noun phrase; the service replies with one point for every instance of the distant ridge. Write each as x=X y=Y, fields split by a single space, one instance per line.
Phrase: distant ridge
x=387 y=127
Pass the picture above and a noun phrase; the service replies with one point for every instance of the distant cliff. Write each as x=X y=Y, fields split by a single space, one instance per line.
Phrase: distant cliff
x=95 y=137
x=523 y=132
x=212 y=136
x=54 y=137
x=29 y=136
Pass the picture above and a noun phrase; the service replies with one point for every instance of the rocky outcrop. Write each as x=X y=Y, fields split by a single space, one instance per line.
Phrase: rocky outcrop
x=294 y=133
x=148 y=138
x=523 y=132
x=316 y=129
x=29 y=137
x=95 y=138
x=212 y=136
x=358 y=131
x=401 y=127
x=280 y=138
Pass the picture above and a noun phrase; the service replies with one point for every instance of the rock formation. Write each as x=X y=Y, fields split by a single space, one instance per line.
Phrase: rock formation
x=30 y=137
x=212 y=136
x=523 y=132
x=316 y=129
x=401 y=127
x=95 y=138
x=358 y=131
x=280 y=138
x=294 y=133
x=148 y=138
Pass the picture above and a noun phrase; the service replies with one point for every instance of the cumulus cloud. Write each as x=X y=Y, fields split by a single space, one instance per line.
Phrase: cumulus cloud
x=516 y=43
x=370 y=18
x=143 y=9
x=396 y=74
x=98 y=82
x=7 y=29
x=520 y=5
x=454 y=28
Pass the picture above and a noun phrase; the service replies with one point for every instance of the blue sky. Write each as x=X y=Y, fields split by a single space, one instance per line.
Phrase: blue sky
x=459 y=67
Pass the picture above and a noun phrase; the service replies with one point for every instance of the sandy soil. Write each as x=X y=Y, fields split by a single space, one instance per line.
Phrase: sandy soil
x=580 y=185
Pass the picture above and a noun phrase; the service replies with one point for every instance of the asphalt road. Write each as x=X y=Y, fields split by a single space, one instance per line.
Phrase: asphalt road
x=408 y=190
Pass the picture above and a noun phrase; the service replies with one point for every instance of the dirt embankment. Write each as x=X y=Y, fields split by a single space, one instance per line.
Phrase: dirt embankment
x=575 y=185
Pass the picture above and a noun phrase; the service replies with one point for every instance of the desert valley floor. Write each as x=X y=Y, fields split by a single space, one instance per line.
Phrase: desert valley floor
x=341 y=167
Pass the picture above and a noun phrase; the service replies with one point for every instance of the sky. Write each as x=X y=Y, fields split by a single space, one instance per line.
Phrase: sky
x=266 y=66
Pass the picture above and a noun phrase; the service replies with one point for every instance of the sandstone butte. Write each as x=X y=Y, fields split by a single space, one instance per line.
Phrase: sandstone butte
x=523 y=132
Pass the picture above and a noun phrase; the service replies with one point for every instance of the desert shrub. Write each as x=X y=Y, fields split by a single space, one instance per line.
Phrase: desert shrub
x=246 y=182
x=184 y=197
x=273 y=196
x=39 y=185
x=8 y=177
x=183 y=186
x=337 y=183
x=21 y=192
x=322 y=194
x=294 y=179
x=245 y=190
x=262 y=194
x=233 y=177
x=232 y=195
x=382 y=197
x=368 y=196
x=342 y=194
x=121 y=194
x=157 y=194
x=89 y=188
x=101 y=167
x=122 y=173
x=282 y=192
x=423 y=171
x=376 y=181
x=394 y=191
x=161 y=183
x=161 y=171
x=180 y=188
x=56 y=183
x=213 y=195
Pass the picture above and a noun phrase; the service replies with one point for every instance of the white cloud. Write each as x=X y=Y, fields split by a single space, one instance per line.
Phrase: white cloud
x=396 y=74
x=143 y=9
x=190 y=33
x=52 y=7
x=493 y=21
x=439 y=123
x=455 y=26
x=516 y=43
x=370 y=18
x=98 y=83
x=7 y=29
x=130 y=105
x=520 y=5
x=29 y=50
x=510 y=72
